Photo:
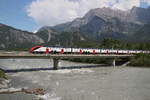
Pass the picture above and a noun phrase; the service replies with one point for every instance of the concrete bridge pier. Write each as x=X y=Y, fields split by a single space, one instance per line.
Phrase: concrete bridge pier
x=55 y=63
x=114 y=62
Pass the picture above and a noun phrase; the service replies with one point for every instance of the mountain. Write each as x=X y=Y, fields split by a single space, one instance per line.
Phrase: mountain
x=143 y=34
x=141 y=15
x=98 y=24
x=15 y=38
x=54 y=38
x=47 y=34
x=136 y=16
x=101 y=23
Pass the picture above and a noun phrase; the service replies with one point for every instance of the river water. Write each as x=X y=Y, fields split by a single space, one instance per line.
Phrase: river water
x=73 y=83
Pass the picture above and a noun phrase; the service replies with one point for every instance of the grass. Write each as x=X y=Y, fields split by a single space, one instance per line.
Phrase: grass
x=3 y=75
x=141 y=60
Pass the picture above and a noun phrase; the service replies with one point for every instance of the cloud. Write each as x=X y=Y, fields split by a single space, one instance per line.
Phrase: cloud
x=52 y=12
x=126 y=4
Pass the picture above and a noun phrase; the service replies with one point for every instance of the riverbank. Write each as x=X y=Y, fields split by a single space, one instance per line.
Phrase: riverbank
x=35 y=91
x=4 y=81
x=140 y=60
x=7 y=91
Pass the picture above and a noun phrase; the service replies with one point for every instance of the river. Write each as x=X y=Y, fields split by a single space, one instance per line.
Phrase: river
x=73 y=83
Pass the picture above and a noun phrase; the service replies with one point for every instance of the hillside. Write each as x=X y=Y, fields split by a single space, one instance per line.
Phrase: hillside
x=15 y=38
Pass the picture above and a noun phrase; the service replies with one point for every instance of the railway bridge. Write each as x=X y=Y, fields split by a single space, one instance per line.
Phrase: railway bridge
x=56 y=57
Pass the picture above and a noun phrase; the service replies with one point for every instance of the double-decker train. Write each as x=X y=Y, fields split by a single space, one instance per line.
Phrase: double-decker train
x=56 y=50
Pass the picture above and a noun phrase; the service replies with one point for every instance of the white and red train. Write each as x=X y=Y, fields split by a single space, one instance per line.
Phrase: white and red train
x=55 y=50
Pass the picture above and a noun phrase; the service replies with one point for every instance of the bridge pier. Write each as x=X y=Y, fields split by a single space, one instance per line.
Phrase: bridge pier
x=114 y=62
x=55 y=63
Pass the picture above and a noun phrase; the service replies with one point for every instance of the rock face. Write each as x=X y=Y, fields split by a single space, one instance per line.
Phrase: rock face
x=53 y=38
x=14 y=38
x=143 y=34
x=135 y=15
x=103 y=23
x=47 y=34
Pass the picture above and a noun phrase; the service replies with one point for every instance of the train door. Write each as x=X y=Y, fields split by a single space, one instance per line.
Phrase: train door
x=47 y=51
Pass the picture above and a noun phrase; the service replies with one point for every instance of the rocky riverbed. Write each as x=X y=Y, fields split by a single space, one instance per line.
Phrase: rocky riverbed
x=6 y=90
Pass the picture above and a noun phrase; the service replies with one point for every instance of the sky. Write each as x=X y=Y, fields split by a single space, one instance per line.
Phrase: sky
x=31 y=15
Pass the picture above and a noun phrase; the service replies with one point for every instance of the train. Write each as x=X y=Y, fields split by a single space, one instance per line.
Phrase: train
x=61 y=50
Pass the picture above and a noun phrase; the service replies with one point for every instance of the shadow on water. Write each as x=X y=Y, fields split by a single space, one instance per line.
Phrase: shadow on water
x=46 y=69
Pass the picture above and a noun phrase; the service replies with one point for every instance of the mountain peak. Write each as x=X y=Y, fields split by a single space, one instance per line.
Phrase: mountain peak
x=105 y=22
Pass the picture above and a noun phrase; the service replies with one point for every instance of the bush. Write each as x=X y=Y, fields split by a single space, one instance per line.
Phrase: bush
x=2 y=74
x=141 y=60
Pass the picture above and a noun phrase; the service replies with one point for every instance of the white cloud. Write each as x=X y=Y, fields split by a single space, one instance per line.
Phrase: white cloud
x=52 y=12
x=126 y=4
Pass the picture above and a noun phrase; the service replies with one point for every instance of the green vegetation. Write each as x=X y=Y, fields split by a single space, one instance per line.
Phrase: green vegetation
x=117 y=44
x=141 y=60
x=18 y=49
x=2 y=74
x=113 y=44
